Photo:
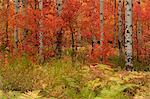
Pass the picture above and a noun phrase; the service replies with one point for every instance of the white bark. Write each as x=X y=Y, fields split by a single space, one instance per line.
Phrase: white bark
x=119 y=20
x=101 y=22
x=16 y=8
x=79 y=39
x=59 y=7
x=41 y=33
x=128 y=35
x=59 y=31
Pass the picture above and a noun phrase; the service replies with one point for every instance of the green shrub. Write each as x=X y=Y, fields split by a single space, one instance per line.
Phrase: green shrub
x=141 y=66
x=117 y=63
x=22 y=75
x=67 y=52
x=65 y=79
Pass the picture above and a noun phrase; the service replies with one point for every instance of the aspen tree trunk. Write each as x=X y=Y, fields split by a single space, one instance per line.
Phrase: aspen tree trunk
x=36 y=24
x=73 y=45
x=123 y=24
x=59 y=31
x=128 y=35
x=120 y=31
x=115 y=23
x=79 y=38
x=92 y=13
x=139 y=21
x=93 y=42
x=101 y=22
x=4 y=29
x=101 y=26
x=6 y=35
x=139 y=29
x=24 y=3
x=7 y=15
x=41 y=34
x=16 y=40
x=2 y=37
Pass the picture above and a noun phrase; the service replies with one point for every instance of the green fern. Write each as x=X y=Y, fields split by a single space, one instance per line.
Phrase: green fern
x=115 y=91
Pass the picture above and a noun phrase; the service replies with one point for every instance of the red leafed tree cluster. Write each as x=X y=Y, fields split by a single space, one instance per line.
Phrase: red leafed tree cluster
x=33 y=25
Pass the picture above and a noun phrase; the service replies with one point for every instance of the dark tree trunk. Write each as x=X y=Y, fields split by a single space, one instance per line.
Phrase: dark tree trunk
x=58 y=50
x=59 y=36
x=6 y=36
x=115 y=23
x=73 y=47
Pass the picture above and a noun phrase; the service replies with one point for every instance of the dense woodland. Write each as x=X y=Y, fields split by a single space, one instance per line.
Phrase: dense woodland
x=74 y=49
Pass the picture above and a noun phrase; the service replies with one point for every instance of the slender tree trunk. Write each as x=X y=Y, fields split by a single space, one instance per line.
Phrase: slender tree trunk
x=137 y=44
x=128 y=35
x=24 y=3
x=59 y=44
x=73 y=46
x=36 y=24
x=59 y=32
x=7 y=15
x=139 y=29
x=120 y=31
x=92 y=28
x=101 y=22
x=41 y=33
x=2 y=44
x=16 y=40
x=115 y=23
x=4 y=29
x=6 y=40
x=93 y=41
x=101 y=27
x=79 y=38
x=123 y=24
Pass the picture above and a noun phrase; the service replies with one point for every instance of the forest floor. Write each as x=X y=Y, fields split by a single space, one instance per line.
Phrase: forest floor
x=60 y=80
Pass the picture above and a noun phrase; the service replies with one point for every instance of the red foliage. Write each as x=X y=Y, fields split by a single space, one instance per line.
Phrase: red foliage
x=84 y=14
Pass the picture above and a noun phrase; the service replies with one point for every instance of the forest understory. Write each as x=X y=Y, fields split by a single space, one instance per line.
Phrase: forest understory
x=59 y=79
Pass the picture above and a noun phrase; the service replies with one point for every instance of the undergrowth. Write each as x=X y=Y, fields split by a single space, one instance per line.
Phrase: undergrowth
x=58 y=79
x=137 y=65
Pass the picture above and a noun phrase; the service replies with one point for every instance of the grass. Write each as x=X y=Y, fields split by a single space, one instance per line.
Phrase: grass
x=58 y=79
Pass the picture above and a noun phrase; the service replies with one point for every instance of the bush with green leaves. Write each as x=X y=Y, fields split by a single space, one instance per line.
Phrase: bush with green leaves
x=23 y=75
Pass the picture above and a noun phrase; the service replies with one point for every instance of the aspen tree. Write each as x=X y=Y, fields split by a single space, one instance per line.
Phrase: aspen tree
x=59 y=31
x=139 y=28
x=120 y=30
x=41 y=33
x=128 y=35
x=24 y=12
x=101 y=27
x=16 y=40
